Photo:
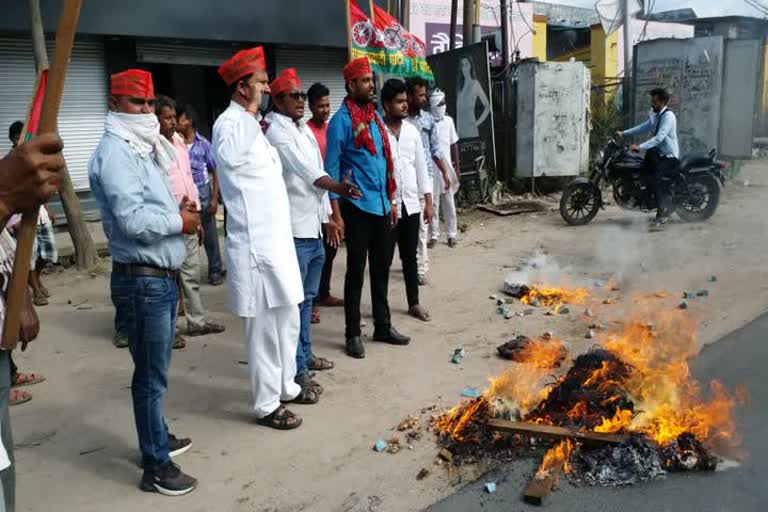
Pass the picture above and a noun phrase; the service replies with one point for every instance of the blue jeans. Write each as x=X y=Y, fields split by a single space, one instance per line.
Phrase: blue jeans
x=148 y=308
x=210 y=232
x=311 y=255
x=8 y=475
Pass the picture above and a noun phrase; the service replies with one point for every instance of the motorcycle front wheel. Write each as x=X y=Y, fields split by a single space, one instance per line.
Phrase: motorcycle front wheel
x=701 y=201
x=580 y=203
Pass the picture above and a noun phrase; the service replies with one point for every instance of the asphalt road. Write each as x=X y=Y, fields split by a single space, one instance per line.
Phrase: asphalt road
x=740 y=358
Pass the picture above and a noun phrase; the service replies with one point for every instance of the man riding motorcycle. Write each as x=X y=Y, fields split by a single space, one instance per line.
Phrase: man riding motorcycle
x=662 y=150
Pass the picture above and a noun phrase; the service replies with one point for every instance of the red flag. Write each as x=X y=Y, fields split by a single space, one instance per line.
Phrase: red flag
x=394 y=36
x=36 y=108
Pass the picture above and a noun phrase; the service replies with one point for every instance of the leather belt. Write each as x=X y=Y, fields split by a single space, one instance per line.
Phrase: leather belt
x=133 y=269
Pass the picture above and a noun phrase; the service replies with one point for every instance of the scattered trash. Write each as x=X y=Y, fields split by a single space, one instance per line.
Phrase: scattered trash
x=712 y=279
x=661 y=295
x=549 y=313
x=508 y=314
x=458 y=355
x=92 y=450
x=683 y=305
x=394 y=445
x=608 y=302
x=493 y=297
x=689 y=295
x=245 y=363
x=446 y=455
x=414 y=435
x=703 y=293
x=424 y=473
x=470 y=392
x=590 y=335
x=490 y=487
x=548 y=335
x=588 y=313
x=529 y=312
x=380 y=445
x=408 y=423
x=564 y=311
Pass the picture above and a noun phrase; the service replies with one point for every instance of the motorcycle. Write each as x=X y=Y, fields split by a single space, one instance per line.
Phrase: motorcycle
x=694 y=189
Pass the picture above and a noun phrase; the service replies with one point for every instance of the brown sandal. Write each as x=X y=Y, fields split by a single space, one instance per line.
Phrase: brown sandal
x=315 y=318
x=26 y=379
x=420 y=313
x=309 y=395
x=281 y=419
x=319 y=364
x=19 y=397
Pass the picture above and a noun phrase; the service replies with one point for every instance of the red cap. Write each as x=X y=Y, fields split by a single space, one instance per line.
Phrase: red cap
x=357 y=69
x=243 y=63
x=136 y=83
x=285 y=81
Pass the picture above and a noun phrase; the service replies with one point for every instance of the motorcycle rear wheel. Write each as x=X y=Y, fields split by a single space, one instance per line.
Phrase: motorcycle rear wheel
x=580 y=203
x=702 y=201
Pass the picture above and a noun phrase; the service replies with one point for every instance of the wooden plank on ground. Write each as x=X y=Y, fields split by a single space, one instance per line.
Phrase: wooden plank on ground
x=548 y=431
x=540 y=488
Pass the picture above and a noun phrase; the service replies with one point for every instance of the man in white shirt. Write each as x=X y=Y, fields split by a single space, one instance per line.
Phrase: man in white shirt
x=413 y=186
x=264 y=281
x=307 y=184
x=448 y=140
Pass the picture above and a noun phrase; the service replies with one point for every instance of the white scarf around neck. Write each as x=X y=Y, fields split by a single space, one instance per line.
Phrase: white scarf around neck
x=142 y=132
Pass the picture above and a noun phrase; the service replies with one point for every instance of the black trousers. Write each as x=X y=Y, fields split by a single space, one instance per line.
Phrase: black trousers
x=406 y=238
x=325 y=278
x=368 y=237
x=664 y=175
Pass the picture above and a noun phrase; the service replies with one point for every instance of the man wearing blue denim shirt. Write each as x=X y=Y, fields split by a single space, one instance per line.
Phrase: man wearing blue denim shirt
x=144 y=225
x=357 y=148
x=425 y=123
x=662 y=150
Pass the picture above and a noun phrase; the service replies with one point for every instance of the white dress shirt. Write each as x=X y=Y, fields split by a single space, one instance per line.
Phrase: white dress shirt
x=411 y=173
x=302 y=167
x=259 y=245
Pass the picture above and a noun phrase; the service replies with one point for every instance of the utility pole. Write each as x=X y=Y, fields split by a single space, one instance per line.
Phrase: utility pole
x=506 y=159
x=628 y=54
x=467 y=21
x=476 y=34
x=406 y=14
x=454 y=15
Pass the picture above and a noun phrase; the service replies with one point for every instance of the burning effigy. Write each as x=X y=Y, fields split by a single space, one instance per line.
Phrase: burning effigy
x=625 y=411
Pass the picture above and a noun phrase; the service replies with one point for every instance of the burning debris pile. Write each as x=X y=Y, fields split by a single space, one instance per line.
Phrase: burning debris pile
x=626 y=411
x=541 y=296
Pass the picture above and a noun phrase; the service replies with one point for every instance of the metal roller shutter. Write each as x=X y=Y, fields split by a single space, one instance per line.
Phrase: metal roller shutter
x=212 y=54
x=84 y=104
x=320 y=65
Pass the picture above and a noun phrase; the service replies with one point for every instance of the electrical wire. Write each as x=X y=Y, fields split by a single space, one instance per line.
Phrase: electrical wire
x=758 y=5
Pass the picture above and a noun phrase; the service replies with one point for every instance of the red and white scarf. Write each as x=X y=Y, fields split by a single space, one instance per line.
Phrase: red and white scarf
x=361 y=121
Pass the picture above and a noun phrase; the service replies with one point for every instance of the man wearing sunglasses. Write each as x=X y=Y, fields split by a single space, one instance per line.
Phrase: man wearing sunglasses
x=145 y=226
x=307 y=184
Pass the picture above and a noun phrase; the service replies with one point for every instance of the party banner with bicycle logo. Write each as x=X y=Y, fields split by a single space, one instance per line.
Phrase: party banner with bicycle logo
x=389 y=47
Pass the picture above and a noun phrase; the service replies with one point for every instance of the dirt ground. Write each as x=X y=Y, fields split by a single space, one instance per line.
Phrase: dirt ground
x=76 y=442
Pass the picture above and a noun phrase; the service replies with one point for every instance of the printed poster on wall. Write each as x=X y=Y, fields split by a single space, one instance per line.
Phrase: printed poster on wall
x=465 y=76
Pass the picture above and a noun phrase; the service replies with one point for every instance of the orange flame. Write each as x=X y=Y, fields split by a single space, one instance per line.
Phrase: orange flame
x=555 y=459
x=554 y=297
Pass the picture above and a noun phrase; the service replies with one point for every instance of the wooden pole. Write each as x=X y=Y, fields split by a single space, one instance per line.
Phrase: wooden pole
x=17 y=286
x=550 y=432
x=349 y=30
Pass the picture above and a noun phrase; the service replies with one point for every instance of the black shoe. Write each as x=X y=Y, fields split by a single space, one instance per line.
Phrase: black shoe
x=167 y=479
x=659 y=223
x=392 y=337
x=355 y=347
x=216 y=280
x=178 y=446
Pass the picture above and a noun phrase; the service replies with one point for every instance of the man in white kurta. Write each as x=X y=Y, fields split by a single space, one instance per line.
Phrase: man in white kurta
x=265 y=286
